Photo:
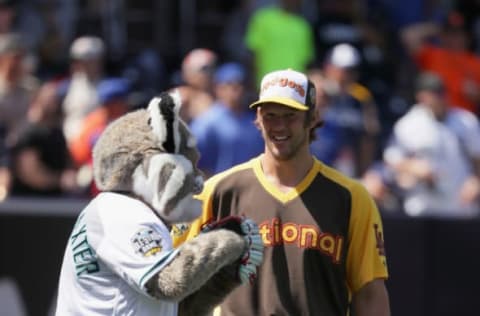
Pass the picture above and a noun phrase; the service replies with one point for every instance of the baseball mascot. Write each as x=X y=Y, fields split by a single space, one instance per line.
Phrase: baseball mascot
x=119 y=258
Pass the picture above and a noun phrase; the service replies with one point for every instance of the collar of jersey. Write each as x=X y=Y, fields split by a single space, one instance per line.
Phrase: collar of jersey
x=285 y=197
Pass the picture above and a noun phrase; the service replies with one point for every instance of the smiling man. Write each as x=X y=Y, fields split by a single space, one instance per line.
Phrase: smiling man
x=322 y=232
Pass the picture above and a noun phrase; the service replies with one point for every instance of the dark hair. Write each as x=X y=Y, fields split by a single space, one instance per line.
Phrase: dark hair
x=308 y=118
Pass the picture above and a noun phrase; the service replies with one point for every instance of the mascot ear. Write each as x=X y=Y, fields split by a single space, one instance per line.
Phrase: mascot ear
x=167 y=108
x=164 y=120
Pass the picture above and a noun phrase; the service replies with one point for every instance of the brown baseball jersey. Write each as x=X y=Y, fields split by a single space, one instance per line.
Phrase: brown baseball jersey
x=323 y=239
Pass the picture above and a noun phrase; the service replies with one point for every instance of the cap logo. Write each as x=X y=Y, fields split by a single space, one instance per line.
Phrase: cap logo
x=284 y=82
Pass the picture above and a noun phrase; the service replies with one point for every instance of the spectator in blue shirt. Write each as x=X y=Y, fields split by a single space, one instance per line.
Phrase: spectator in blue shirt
x=226 y=133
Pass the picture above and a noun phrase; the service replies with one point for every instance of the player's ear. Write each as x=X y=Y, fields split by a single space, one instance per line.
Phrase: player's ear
x=316 y=120
x=257 y=118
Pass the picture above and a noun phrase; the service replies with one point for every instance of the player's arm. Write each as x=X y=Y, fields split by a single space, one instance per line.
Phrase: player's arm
x=366 y=261
x=371 y=299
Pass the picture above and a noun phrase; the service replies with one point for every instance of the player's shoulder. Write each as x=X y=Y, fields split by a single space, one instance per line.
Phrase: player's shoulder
x=352 y=185
x=230 y=173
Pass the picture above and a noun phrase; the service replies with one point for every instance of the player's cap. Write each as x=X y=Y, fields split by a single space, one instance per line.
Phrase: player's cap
x=230 y=73
x=87 y=48
x=344 y=56
x=199 y=59
x=287 y=87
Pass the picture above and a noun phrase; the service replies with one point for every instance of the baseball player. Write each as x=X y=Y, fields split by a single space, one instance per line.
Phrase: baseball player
x=322 y=232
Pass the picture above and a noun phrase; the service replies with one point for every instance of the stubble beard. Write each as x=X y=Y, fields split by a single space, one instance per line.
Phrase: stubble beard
x=289 y=153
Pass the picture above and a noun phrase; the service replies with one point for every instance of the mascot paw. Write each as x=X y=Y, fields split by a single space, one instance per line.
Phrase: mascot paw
x=253 y=255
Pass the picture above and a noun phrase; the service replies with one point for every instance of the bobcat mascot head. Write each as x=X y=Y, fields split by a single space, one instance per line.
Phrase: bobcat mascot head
x=150 y=153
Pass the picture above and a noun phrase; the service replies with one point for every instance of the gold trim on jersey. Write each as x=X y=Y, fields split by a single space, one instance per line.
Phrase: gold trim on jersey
x=285 y=197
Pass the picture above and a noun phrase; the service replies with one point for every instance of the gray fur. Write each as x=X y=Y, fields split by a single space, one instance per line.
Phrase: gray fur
x=198 y=260
x=210 y=295
x=124 y=144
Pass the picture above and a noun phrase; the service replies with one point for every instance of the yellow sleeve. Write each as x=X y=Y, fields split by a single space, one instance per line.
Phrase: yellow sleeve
x=366 y=259
x=182 y=232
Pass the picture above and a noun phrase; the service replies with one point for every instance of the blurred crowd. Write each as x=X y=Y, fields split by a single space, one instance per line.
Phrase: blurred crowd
x=397 y=89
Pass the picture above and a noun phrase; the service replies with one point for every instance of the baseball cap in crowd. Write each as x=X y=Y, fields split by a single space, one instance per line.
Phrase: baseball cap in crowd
x=429 y=81
x=230 y=73
x=344 y=56
x=287 y=87
x=87 y=48
x=113 y=88
x=199 y=59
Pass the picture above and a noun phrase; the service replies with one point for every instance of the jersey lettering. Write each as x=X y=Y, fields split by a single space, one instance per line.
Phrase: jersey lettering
x=379 y=239
x=84 y=257
x=275 y=233
x=284 y=82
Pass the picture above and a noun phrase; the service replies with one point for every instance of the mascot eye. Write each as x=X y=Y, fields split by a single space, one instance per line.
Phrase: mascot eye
x=149 y=122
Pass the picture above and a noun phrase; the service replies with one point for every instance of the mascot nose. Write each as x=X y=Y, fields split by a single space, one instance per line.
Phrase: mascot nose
x=198 y=185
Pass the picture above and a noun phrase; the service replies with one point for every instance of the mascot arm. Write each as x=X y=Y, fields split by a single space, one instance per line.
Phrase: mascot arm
x=203 y=301
x=197 y=261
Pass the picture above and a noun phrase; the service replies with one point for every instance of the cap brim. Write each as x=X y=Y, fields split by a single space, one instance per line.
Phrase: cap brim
x=282 y=101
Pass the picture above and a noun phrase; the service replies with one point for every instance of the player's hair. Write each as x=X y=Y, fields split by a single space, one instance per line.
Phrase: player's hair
x=308 y=119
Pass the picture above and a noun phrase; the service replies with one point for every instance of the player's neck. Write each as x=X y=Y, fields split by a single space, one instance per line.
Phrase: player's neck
x=286 y=174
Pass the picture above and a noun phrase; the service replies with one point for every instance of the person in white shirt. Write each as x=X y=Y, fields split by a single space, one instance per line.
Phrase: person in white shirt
x=435 y=155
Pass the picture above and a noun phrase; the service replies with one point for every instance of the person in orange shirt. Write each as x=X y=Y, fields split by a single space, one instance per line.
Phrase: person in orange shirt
x=451 y=58
x=113 y=96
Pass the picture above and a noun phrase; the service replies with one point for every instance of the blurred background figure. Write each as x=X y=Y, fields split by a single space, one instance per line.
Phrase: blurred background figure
x=40 y=162
x=4 y=171
x=8 y=14
x=338 y=22
x=196 y=91
x=17 y=85
x=226 y=134
x=112 y=103
x=279 y=37
x=444 y=48
x=113 y=98
x=86 y=71
x=24 y=18
x=329 y=138
x=350 y=115
x=435 y=154
x=147 y=74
